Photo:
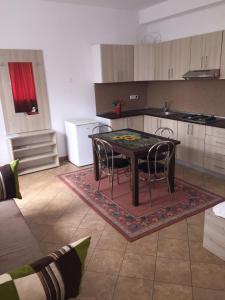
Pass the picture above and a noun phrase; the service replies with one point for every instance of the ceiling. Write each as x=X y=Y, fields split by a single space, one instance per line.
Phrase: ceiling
x=117 y=4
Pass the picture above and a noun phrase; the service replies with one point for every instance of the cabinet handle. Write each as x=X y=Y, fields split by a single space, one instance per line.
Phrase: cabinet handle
x=168 y=73
x=192 y=129
x=220 y=143
x=218 y=167
x=201 y=62
x=188 y=129
x=172 y=73
x=206 y=61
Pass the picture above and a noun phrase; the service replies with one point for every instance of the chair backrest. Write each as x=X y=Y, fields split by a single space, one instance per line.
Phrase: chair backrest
x=160 y=155
x=104 y=152
x=165 y=132
x=101 y=129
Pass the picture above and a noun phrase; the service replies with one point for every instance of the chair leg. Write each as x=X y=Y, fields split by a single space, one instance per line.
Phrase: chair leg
x=117 y=175
x=99 y=181
x=112 y=185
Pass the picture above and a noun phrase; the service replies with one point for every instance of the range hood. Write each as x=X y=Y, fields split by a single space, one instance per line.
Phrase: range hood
x=202 y=74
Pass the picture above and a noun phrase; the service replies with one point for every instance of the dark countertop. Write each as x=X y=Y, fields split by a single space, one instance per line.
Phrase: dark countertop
x=220 y=123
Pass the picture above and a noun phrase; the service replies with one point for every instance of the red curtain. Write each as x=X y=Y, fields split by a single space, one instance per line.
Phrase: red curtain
x=23 y=87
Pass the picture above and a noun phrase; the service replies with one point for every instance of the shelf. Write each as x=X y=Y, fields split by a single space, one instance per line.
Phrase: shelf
x=33 y=146
x=35 y=150
x=39 y=168
x=30 y=134
x=37 y=157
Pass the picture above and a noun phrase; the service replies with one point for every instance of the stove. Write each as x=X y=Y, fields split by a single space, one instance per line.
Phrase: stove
x=200 y=118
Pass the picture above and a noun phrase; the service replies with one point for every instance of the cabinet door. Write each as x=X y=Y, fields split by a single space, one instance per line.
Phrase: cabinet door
x=106 y=63
x=136 y=123
x=222 y=67
x=144 y=62
x=113 y=63
x=151 y=124
x=192 y=137
x=123 y=63
x=197 y=53
x=180 y=58
x=172 y=124
x=118 y=124
x=162 y=61
x=212 y=50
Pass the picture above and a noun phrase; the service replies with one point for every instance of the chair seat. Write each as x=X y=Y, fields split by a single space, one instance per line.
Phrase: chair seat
x=144 y=167
x=109 y=153
x=118 y=163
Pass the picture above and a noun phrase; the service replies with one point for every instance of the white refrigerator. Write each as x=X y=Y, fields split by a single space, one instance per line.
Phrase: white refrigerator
x=78 y=143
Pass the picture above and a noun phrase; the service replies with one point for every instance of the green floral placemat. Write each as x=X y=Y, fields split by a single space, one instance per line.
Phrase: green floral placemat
x=129 y=139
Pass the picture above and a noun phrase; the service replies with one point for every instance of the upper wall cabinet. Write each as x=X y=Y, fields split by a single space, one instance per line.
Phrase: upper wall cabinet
x=180 y=58
x=162 y=61
x=113 y=63
x=222 y=67
x=144 y=62
x=172 y=59
x=206 y=51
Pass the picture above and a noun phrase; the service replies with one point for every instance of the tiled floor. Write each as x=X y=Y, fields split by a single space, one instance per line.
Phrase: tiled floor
x=169 y=264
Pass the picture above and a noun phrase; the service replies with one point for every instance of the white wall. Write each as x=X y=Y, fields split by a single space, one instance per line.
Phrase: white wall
x=193 y=23
x=65 y=32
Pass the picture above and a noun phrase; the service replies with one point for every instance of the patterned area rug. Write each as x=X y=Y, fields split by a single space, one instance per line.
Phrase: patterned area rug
x=136 y=222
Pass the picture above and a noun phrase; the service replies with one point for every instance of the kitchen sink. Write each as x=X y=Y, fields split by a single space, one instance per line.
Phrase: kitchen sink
x=163 y=113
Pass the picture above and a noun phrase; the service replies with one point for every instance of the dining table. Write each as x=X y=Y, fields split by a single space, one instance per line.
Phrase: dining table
x=134 y=144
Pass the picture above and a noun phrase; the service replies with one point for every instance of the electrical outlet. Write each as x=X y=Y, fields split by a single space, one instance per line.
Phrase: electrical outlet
x=134 y=97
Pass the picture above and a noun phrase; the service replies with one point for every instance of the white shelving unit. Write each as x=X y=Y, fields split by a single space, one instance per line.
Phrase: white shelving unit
x=35 y=150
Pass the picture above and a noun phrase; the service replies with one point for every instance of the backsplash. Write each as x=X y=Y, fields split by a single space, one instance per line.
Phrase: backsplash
x=207 y=96
x=106 y=93
x=200 y=96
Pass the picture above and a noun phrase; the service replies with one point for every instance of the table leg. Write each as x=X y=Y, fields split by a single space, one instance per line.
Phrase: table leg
x=135 y=181
x=172 y=173
x=96 y=164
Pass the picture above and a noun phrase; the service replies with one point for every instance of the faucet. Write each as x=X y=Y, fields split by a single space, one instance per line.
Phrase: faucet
x=165 y=106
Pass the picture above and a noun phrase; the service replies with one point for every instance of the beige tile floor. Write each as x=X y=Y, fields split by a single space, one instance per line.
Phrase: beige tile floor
x=169 y=264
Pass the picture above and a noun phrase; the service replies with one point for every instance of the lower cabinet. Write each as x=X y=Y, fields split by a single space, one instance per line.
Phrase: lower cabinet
x=151 y=124
x=136 y=123
x=201 y=146
x=118 y=124
x=214 y=157
x=192 y=138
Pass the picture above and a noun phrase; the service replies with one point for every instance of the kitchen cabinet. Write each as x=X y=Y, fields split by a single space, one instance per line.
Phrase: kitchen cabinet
x=206 y=51
x=113 y=63
x=214 y=157
x=172 y=59
x=118 y=124
x=180 y=58
x=222 y=66
x=192 y=138
x=136 y=122
x=144 y=62
x=151 y=124
x=162 y=61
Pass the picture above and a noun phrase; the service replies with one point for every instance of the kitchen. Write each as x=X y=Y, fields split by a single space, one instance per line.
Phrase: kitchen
x=176 y=84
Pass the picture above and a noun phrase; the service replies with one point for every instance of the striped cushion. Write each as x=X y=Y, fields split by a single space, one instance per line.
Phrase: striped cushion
x=9 y=184
x=56 y=276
